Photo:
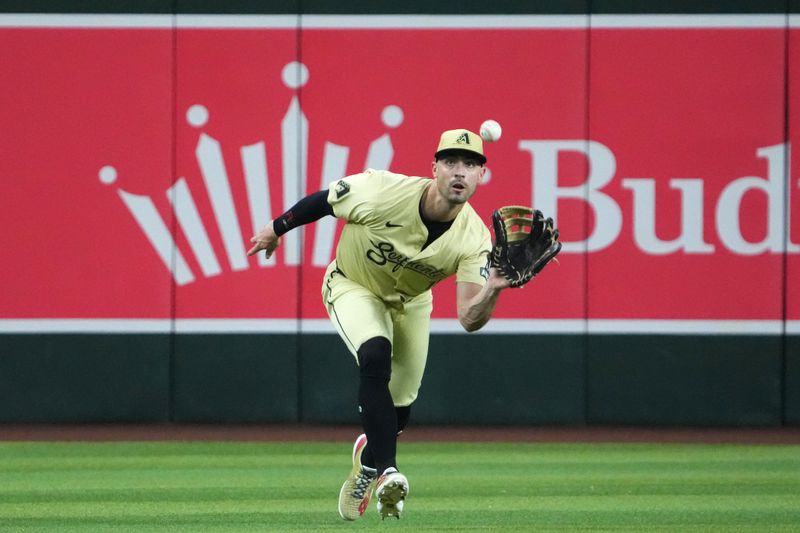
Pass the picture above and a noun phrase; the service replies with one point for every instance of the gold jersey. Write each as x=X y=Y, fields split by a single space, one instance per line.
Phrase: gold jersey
x=381 y=244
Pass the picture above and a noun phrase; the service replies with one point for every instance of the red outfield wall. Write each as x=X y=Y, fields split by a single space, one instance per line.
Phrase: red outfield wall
x=138 y=160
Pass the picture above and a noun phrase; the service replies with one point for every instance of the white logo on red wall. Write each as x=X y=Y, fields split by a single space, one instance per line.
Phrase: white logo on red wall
x=546 y=189
x=728 y=219
x=216 y=178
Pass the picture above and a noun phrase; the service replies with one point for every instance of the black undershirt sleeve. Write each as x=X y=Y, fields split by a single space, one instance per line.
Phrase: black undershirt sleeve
x=310 y=209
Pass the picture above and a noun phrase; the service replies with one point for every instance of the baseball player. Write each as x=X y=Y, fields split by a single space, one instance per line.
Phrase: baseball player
x=402 y=236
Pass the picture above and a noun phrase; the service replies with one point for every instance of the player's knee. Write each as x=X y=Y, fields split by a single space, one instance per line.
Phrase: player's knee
x=375 y=358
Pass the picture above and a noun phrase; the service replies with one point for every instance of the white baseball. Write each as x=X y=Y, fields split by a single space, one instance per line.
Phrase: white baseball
x=490 y=130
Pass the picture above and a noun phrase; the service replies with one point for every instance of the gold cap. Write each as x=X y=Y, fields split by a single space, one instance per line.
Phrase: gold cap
x=461 y=139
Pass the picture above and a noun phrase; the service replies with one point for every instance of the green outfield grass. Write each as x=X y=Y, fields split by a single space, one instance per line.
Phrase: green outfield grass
x=173 y=486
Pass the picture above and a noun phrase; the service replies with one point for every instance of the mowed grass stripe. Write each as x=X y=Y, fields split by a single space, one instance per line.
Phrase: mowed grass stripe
x=454 y=487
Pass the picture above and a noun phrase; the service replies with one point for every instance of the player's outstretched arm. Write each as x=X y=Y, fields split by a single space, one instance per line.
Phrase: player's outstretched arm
x=476 y=303
x=309 y=209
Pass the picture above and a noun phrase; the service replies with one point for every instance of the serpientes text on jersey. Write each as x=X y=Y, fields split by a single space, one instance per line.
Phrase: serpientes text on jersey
x=383 y=252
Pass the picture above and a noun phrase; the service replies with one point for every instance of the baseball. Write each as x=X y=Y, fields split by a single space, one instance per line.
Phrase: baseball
x=490 y=130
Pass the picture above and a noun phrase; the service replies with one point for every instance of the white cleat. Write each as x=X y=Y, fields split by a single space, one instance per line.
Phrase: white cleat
x=391 y=492
x=357 y=488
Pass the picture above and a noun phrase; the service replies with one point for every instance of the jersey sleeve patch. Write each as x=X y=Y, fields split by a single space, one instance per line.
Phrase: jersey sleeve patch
x=484 y=271
x=342 y=188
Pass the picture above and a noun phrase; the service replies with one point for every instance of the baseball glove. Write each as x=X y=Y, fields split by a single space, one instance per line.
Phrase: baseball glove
x=524 y=243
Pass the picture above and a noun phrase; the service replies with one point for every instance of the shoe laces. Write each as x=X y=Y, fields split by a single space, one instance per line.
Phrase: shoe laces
x=363 y=480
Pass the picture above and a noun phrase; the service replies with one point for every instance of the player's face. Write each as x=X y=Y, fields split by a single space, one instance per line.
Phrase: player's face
x=457 y=177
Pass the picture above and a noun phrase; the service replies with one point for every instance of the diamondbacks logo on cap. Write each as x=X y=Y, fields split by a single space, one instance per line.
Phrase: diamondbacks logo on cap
x=463 y=139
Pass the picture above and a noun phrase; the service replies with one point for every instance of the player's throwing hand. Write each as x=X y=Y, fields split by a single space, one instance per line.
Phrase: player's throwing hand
x=266 y=239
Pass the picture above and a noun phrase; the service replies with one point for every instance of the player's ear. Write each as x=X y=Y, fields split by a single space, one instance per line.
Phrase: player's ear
x=434 y=168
